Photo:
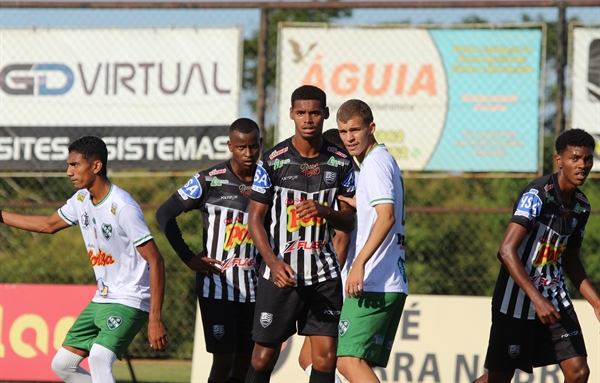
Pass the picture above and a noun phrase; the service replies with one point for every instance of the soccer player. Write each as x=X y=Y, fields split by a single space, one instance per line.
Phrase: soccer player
x=376 y=286
x=533 y=320
x=344 y=245
x=129 y=268
x=292 y=218
x=225 y=268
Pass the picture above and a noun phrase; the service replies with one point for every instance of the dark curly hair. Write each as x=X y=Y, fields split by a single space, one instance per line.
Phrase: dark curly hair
x=574 y=137
x=91 y=148
x=310 y=92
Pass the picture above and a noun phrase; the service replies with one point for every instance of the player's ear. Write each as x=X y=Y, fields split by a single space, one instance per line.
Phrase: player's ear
x=558 y=160
x=291 y=113
x=96 y=166
x=372 y=128
x=326 y=113
x=229 y=146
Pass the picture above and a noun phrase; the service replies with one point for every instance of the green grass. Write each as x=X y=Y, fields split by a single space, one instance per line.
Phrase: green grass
x=151 y=371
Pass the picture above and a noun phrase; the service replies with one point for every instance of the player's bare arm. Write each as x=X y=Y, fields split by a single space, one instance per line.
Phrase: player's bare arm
x=571 y=263
x=342 y=219
x=157 y=333
x=383 y=224
x=283 y=275
x=513 y=237
x=36 y=223
x=341 y=244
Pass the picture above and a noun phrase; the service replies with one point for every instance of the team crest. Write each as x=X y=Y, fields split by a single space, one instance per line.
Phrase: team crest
x=266 y=319
x=330 y=178
x=106 y=230
x=113 y=209
x=113 y=322
x=343 y=326
x=514 y=350
x=80 y=196
x=218 y=331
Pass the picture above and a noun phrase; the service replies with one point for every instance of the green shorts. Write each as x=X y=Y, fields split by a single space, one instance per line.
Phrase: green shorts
x=111 y=325
x=368 y=326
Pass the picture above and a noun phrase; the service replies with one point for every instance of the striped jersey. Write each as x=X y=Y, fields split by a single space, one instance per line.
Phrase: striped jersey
x=283 y=178
x=224 y=201
x=112 y=230
x=552 y=226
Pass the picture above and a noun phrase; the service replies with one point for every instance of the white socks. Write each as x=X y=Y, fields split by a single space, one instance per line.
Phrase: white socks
x=309 y=369
x=66 y=365
x=101 y=360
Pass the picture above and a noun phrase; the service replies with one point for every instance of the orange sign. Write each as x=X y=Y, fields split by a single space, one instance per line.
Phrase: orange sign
x=34 y=320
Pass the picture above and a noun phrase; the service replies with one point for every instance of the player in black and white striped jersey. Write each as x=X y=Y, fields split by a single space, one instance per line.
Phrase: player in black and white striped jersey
x=225 y=268
x=292 y=218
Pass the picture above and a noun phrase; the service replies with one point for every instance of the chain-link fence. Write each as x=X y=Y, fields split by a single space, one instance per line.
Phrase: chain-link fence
x=166 y=118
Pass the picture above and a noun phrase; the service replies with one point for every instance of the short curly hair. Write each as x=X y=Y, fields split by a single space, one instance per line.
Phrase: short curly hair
x=574 y=137
x=91 y=148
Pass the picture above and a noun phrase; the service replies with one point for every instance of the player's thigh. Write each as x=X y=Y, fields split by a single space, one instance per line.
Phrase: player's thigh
x=245 y=321
x=511 y=344
x=323 y=308
x=219 y=322
x=84 y=331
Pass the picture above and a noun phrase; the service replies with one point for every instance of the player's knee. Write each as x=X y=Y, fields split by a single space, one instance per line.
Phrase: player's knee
x=65 y=363
x=345 y=365
x=578 y=375
x=264 y=359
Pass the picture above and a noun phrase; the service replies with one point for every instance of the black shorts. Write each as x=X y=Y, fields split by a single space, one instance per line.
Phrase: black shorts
x=227 y=326
x=520 y=343
x=315 y=308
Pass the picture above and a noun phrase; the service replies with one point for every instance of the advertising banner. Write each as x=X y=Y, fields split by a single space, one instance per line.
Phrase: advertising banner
x=459 y=100
x=439 y=339
x=120 y=76
x=142 y=148
x=34 y=320
x=585 y=84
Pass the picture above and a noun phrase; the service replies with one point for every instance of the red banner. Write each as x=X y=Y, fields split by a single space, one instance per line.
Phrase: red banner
x=34 y=320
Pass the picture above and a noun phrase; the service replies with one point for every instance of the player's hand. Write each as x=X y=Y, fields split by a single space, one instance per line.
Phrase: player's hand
x=545 y=311
x=204 y=265
x=157 y=334
x=355 y=281
x=282 y=273
x=348 y=200
x=309 y=208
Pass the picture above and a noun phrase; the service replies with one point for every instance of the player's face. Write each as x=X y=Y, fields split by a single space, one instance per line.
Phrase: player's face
x=82 y=172
x=245 y=148
x=357 y=136
x=309 y=117
x=576 y=163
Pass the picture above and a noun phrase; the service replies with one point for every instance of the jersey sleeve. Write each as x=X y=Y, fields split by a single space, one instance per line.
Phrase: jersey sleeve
x=262 y=186
x=348 y=182
x=528 y=207
x=191 y=194
x=380 y=186
x=132 y=222
x=68 y=212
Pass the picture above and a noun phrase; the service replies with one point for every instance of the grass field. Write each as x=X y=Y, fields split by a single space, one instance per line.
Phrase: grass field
x=151 y=371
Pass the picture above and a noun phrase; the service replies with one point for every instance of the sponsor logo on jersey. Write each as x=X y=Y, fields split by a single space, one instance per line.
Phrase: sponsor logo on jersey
x=266 y=319
x=278 y=164
x=218 y=331
x=402 y=268
x=330 y=178
x=217 y=182
x=530 y=205
x=236 y=234
x=294 y=222
x=113 y=322
x=343 y=326
x=578 y=209
x=349 y=181
x=106 y=230
x=246 y=190
x=303 y=245
x=217 y=171
x=545 y=282
x=378 y=339
x=548 y=187
x=514 y=350
x=229 y=197
x=572 y=333
x=245 y=264
x=332 y=312
x=85 y=221
x=81 y=196
x=580 y=197
x=100 y=258
x=548 y=253
x=261 y=179
x=276 y=153
x=290 y=178
x=113 y=208
x=191 y=189
x=335 y=163
x=335 y=150
x=310 y=170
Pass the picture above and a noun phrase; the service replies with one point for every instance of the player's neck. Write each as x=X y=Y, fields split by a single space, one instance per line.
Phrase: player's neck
x=307 y=148
x=373 y=143
x=566 y=188
x=99 y=189
x=245 y=175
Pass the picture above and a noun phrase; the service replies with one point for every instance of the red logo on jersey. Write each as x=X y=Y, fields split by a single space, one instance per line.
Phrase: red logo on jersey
x=236 y=234
x=303 y=245
x=276 y=153
x=238 y=262
x=245 y=190
x=548 y=254
x=217 y=171
x=310 y=170
x=100 y=258
x=294 y=222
